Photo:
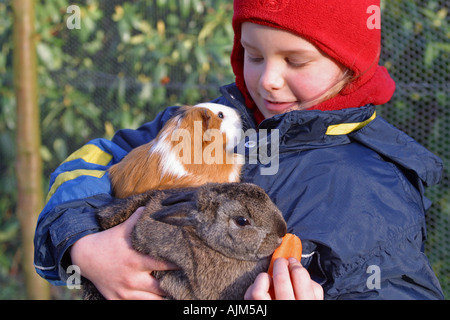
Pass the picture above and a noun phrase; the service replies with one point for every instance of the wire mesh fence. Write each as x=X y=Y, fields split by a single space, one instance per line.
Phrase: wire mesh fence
x=109 y=64
x=416 y=50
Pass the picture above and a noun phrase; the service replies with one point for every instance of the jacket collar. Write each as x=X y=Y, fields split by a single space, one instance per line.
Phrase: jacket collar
x=310 y=129
x=304 y=125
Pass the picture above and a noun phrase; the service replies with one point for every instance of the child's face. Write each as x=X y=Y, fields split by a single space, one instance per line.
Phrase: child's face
x=283 y=72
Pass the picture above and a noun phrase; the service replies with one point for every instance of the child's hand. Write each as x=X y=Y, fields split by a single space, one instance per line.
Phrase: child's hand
x=291 y=281
x=110 y=263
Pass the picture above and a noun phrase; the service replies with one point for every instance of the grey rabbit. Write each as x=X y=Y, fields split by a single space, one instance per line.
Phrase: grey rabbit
x=220 y=235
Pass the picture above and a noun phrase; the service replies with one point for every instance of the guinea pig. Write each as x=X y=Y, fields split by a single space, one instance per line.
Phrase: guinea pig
x=220 y=235
x=195 y=146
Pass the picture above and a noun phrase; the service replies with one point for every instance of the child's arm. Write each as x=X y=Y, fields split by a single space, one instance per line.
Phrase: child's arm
x=118 y=271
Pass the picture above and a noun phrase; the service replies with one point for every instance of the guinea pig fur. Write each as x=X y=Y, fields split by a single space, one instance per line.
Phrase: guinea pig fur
x=221 y=236
x=193 y=148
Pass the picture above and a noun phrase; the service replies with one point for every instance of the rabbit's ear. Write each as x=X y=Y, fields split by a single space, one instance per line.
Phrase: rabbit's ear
x=178 y=198
x=181 y=214
x=207 y=197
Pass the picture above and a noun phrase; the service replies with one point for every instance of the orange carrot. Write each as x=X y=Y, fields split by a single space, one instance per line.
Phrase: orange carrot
x=291 y=246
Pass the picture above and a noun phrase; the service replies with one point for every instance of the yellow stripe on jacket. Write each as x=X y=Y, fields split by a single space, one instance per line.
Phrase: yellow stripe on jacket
x=90 y=153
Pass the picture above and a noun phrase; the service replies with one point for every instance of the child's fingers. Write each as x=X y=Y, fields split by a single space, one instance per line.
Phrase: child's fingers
x=131 y=221
x=318 y=291
x=259 y=290
x=283 y=287
x=141 y=287
x=145 y=285
x=150 y=264
x=145 y=262
x=304 y=287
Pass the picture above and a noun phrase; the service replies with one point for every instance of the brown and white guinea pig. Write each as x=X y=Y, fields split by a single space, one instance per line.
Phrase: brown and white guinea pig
x=195 y=146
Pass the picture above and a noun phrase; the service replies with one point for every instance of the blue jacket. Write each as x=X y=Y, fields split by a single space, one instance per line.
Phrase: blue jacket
x=349 y=184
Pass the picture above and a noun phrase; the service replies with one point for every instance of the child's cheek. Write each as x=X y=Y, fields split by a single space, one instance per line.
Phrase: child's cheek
x=251 y=77
x=310 y=85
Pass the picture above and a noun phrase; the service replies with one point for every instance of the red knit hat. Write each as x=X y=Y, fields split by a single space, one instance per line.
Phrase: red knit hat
x=342 y=29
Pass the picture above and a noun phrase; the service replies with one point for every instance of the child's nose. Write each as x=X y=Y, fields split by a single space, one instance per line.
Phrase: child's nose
x=272 y=77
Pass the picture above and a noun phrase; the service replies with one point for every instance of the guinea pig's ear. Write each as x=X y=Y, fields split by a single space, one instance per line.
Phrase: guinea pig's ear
x=206 y=117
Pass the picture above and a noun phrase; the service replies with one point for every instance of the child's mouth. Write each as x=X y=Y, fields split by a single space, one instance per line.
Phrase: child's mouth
x=279 y=107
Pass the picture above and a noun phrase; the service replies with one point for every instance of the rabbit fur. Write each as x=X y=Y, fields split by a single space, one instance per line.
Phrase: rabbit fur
x=221 y=236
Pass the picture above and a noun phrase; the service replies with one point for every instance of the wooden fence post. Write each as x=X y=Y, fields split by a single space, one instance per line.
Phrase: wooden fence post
x=28 y=141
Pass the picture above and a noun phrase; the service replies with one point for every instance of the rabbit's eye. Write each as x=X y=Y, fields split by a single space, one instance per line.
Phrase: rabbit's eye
x=220 y=115
x=241 y=221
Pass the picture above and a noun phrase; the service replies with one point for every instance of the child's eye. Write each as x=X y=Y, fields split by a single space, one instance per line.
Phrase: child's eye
x=295 y=64
x=254 y=59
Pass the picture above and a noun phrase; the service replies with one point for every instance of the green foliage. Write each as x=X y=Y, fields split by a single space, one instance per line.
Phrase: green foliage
x=9 y=226
x=131 y=59
x=128 y=61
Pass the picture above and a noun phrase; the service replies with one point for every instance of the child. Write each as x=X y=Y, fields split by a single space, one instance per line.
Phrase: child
x=349 y=184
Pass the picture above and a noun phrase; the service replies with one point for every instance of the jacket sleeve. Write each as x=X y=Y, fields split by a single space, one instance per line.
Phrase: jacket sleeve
x=78 y=187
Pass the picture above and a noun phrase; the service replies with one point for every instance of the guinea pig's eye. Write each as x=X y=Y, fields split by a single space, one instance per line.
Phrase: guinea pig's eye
x=241 y=221
x=220 y=115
